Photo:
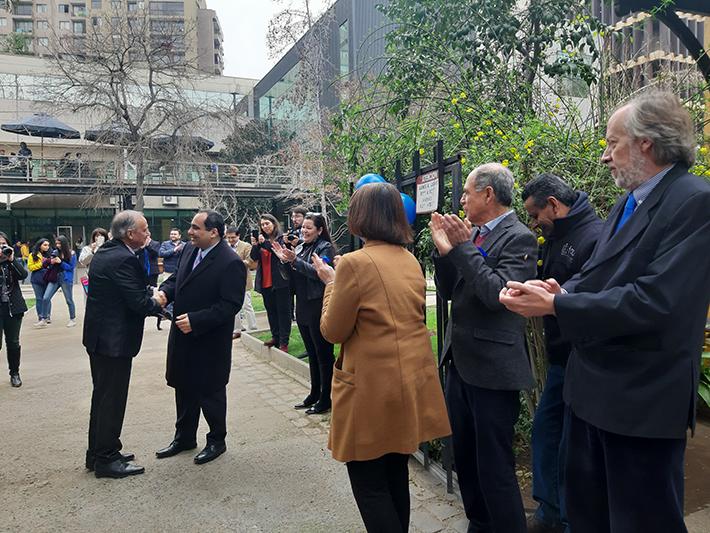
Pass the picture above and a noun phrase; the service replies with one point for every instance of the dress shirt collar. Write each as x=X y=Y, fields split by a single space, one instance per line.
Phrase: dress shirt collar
x=491 y=224
x=642 y=191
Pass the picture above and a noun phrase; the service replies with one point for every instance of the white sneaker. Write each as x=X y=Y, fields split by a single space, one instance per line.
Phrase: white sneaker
x=41 y=324
x=48 y=320
x=71 y=323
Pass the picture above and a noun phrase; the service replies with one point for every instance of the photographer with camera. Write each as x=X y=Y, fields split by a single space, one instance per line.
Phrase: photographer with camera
x=309 y=302
x=292 y=240
x=12 y=306
x=38 y=264
x=272 y=280
x=61 y=275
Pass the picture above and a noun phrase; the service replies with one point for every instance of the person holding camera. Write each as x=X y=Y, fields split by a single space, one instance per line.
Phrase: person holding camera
x=12 y=306
x=63 y=263
x=309 y=302
x=38 y=263
x=293 y=239
x=98 y=237
x=272 y=280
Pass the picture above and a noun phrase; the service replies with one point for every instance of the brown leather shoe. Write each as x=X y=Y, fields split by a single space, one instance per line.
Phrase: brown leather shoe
x=270 y=343
x=284 y=348
x=236 y=335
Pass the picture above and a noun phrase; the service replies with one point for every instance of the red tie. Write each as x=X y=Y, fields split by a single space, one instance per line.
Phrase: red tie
x=478 y=241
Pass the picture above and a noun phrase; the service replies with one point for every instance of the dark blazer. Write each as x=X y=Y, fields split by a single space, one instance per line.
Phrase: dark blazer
x=151 y=251
x=636 y=314
x=211 y=295
x=303 y=265
x=280 y=275
x=15 y=272
x=485 y=340
x=117 y=303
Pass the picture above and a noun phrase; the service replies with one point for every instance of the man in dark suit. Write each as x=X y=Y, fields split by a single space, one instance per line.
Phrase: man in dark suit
x=570 y=229
x=148 y=256
x=635 y=316
x=116 y=307
x=485 y=344
x=207 y=291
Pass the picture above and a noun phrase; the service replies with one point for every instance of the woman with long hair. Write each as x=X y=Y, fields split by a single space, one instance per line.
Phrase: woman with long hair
x=12 y=306
x=272 y=281
x=387 y=398
x=98 y=237
x=65 y=259
x=309 y=302
x=38 y=263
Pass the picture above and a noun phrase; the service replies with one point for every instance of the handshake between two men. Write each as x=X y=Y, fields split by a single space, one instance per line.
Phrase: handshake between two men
x=182 y=322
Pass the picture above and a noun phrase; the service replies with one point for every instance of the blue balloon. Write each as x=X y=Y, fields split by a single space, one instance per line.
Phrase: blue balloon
x=369 y=178
x=410 y=208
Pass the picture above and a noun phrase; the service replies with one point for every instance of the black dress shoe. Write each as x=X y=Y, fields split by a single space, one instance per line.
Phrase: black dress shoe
x=211 y=451
x=174 y=448
x=15 y=380
x=90 y=460
x=317 y=409
x=117 y=469
x=305 y=404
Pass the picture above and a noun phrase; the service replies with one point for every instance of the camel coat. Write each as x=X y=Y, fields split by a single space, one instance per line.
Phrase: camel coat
x=386 y=392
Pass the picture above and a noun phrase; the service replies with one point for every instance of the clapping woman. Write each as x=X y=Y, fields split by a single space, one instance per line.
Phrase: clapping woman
x=386 y=394
x=309 y=302
x=272 y=281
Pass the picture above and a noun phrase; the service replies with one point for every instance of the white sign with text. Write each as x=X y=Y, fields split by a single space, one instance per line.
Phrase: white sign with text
x=428 y=192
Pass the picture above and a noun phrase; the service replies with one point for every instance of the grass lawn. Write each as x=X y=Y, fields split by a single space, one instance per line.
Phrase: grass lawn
x=257 y=302
x=30 y=302
x=296 y=346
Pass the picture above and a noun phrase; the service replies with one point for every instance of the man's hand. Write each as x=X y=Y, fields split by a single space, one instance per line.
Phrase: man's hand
x=262 y=239
x=529 y=299
x=178 y=248
x=160 y=297
x=438 y=235
x=286 y=255
x=183 y=323
x=324 y=270
x=457 y=231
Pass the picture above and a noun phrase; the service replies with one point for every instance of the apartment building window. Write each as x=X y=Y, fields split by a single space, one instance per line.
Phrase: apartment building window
x=64 y=25
x=96 y=4
x=79 y=27
x=133 y=6
x=3 y=22
x=344 y=33
x=96 y=21
x=23 y=9
x=78 y=10
x=42 y=8
x=115 y=4
x=42 y=25
x=43 y=41
x=168 y=9
x=63 y=8
x=23 y=26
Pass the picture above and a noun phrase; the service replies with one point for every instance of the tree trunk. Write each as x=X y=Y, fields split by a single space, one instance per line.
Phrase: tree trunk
x=140 y=179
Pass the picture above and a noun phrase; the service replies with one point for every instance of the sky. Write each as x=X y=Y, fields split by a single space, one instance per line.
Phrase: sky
x=244 y=24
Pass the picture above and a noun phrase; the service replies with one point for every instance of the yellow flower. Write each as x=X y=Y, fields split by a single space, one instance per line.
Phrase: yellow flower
x=539 y=262
x=504 y=137
x=703 y=150
x=456 y=125
x=516 y=156
x=432 y=133
x=530 y=144
x=462 y=95
x=462 y=214
x=454 y=101
x=421 y=151
x=488 y=122
x=516 y=185
x=499 y=132
x=707 y=173
x=602 y=143
x=513 y=150
x=463 y=160
x=469 y=110
x=505 y=162
x=541 y=240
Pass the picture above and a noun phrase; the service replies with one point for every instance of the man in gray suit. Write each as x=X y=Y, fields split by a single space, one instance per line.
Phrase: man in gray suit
x=485 y=343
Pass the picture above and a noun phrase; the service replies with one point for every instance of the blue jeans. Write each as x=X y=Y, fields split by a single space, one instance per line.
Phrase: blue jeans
x=39 y=289
x=549 y=447
x=52 y=289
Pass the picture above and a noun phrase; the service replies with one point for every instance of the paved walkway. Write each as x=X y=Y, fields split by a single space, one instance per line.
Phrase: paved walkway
x=276 y=476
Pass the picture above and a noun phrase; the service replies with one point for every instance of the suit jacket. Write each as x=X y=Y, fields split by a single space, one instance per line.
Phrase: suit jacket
x=636 y=312
x=211 y=295
x=151 y=252
x=386 y=392
x=117 y=303
x=486 y=341
x=243 y=250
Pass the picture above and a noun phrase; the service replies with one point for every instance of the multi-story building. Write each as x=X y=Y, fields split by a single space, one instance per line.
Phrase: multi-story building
x=31 y=25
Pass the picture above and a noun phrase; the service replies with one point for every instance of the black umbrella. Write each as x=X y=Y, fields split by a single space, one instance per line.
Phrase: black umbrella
x=194 y=142
x=110 y=133
x=42 y=125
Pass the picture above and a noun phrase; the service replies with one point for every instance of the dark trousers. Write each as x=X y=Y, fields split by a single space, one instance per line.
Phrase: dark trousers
x=10 y=328
x=548 y=449
x=381 y=490
x=153 y=279
x=213 y=405
x=320 y=362
x=110 y=377
x=620 y=484
x=482 y=422
x=278 y=311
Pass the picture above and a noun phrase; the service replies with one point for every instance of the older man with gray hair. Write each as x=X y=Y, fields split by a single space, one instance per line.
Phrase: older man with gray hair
x=635 y=316
x=485 y=343
x=116 y=307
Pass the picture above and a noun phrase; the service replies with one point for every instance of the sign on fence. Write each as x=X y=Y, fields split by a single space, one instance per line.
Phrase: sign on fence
x=428 y=192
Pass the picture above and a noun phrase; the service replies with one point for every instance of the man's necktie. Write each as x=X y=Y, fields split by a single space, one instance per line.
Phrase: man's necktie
x=197 y=260
x=478 y=241
x=146 y=262
x=629 y=208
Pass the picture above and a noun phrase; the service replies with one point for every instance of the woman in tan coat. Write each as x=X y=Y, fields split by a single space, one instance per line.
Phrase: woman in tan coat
x=386 y=394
